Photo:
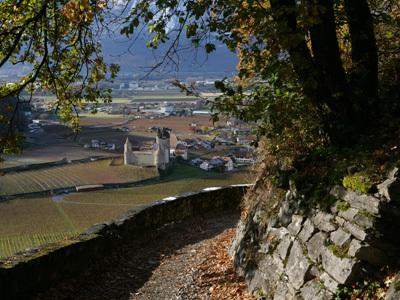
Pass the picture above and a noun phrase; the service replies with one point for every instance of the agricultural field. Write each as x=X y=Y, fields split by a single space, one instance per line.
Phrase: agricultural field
x=72 y=175
x=101 y=119
x=26 y=223
x=180 y=125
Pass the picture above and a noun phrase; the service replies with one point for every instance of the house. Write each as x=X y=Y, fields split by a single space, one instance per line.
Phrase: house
x=206 y=166
x=228 y=164
x=95 y=143
x=244 y=161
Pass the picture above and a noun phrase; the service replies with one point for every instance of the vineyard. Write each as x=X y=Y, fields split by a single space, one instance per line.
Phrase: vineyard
x=11 y=245
x=72 y=175
x=26 y=223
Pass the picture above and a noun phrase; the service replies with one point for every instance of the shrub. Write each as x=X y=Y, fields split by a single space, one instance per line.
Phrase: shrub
x=358 y=182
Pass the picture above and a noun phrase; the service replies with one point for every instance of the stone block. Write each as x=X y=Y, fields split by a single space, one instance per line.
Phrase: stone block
x=256 y=281
x=348 y=214
x=390 y=189
x=295 y=226
x=272 y=268
x=340 y=237
x=364 y=221
x=355 y=245
x=282 y=292
x=284 y=246
x=314 y=290
x=343 y=270
x=315 y=246
x=340 y=220
x=323 y=221
x=356 y=200
x=273 y=237
x=307 y=231
x=330 y=283
x=355 y=230
x=298 y=266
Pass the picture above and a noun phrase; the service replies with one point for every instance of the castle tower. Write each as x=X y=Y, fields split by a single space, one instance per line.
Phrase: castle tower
x=127 y=152
x=163 y=149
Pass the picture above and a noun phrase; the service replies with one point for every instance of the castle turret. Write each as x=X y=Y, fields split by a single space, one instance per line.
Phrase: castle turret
x=127 y=152
x=163 y=149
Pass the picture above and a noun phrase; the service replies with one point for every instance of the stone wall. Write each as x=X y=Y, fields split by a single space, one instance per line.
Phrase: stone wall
x=38 y=268
x=307 y=253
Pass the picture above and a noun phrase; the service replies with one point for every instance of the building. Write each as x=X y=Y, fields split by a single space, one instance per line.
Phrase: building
x=180 y=151
x=158 y=156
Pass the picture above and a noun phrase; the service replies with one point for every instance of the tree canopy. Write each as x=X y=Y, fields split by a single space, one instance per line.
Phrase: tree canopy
x=310 y=71
x=57 y=41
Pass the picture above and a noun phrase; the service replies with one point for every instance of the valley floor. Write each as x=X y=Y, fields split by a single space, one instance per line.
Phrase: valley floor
x=187 y=260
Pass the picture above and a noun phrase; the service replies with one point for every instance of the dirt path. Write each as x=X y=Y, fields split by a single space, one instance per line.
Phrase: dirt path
x=187 y=260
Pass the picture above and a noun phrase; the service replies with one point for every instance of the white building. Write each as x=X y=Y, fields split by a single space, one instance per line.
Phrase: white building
x=206 y=166
x=158 y=156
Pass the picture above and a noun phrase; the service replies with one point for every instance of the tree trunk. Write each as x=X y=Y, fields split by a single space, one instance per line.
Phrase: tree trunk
x=285 y=15
x=364 y=74
x=326 y=53
x=322 y=77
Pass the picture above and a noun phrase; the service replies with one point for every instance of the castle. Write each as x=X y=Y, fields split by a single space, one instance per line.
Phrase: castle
x=158 y=156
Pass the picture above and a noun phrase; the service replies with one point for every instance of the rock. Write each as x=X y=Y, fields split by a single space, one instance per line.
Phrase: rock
x=295 y=226
x=255 y=280
x=315 y=245
x=307 y=231
x=284 y=246
x=343 y=270
x=282 y=292
x=364 y=221
x=240 y=229
x=274 y=237
x=355 y=200
x=340 y=220
x=315 y=290
x=355 y=230
x=393 y=173
x=323 y=221
x=288 y=207
x=340 y=237
x=390 y=189
x=355 y=245
x=272 y=268
x=329 y=282
x=297 y=266
x=348 y=214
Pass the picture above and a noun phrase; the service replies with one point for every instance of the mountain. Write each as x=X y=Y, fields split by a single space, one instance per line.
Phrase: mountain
x=136 y=57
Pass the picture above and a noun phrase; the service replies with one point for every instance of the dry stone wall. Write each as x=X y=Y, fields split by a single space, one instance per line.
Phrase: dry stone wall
x=309 y=254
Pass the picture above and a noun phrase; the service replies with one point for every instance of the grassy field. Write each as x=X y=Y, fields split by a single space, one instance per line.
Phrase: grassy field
x=72 y=175
x=29 y=222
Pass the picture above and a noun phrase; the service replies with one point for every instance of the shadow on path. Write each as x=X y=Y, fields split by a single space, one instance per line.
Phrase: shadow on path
x=127 y=268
